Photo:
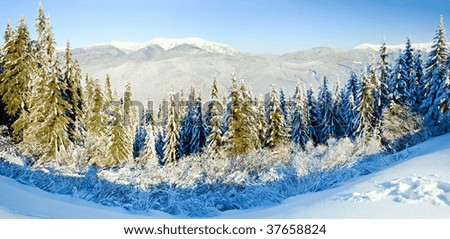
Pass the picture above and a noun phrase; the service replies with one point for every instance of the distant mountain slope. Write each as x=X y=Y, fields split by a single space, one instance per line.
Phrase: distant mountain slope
x=155 y=67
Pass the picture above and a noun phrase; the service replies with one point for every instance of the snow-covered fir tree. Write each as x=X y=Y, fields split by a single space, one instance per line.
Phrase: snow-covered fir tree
x=384 y=76
x=95 y=122
x=160 y=143
x=416 y=93
x=119 y=147
x=377 y=86
x=19 y=73
x=443 y=103
x=299 y=118
x=337 y=112
x=74 y=93
x=187 y=125
x=285 y=109
x=367 y=118
x=9 y=33
x=250 y=111
x=434 y=76
x=236 y=137
x=130 y=121
x=108 y=90
x=46 y=136
x=314 y=116
x=172 y=138
x=408 y=64
x=210 y=104
x=325 y=108
x=148 y=153
x=261 y=123
x=350 y=105
x=142 y=130
x=276 y=132
x=139 y=140
x=398 y=83
x=214 y=120
x=199 y=131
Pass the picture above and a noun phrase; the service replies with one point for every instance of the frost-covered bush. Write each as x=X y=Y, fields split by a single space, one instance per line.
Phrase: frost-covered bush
x=399 y=126
x=259 y=167
x=205 y=184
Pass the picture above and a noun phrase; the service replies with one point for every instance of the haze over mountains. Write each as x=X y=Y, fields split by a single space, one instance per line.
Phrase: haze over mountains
x=154 y=68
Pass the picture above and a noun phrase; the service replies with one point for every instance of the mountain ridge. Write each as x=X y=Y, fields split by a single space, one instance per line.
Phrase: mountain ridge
x=168 y=44
x=155 y=67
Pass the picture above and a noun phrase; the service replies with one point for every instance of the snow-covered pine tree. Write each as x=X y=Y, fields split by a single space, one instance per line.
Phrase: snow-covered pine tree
x=119 y=148
x=160 y=143
x=108 y=90
x=148 y=153
x=377 y=86
x=276 y=133
x=260 y=122
x=172 y=140
x=417 y=87
x=350 y=105
x=284 y=108
x=384 y=69
x=139 y=141
x=408 y=65
x=199 y=131
x=367 y=119
x=209 y=114
x=325 y=108
x=299 y=118
x=214 y=120
x=443 y=103
x=9 y=35
x=141 y=136
x=314 y=116
x=250 y=111
x=433 y=76
x=236 y=136
x=398 y=83
x=187 y=124
x=182 y=104
x=19 y=65
x=47 y=135
x=337 y=113
x=130 y=121
x=74 y=93
x=95 y=122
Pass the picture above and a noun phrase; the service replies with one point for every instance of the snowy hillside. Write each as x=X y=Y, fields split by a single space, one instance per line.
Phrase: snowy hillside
x=418 y=186
x=155 y=67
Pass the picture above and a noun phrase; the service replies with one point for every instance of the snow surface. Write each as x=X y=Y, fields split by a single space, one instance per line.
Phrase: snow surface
x=170 y=43
x=416 y=187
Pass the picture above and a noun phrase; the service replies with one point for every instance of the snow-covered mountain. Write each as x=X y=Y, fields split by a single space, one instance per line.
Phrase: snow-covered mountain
x=154 y=68
x=169 y=44
x=424 y=47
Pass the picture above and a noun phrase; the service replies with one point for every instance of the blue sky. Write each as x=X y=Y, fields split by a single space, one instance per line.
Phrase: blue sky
x=256 y=26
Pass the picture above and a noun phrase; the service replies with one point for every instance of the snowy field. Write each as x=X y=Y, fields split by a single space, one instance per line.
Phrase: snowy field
x=416 y=187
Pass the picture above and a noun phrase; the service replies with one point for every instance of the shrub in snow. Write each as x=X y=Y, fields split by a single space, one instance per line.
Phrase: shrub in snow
x=398 y=126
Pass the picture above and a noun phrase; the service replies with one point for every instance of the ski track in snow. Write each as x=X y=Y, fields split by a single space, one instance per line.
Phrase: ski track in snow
x=406 y=190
